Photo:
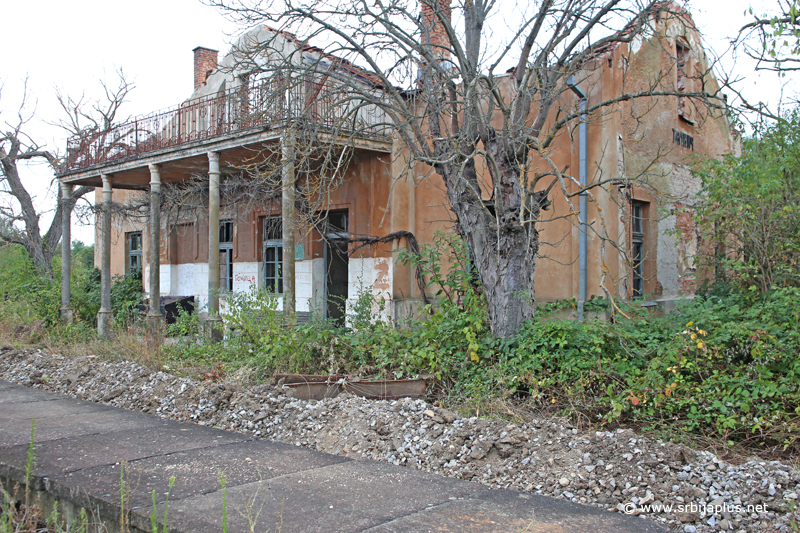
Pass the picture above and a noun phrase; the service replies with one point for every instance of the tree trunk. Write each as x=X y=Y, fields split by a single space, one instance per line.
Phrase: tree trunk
x=504 y=249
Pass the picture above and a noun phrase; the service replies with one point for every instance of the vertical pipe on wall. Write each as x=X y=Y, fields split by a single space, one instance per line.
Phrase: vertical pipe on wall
x=104 y=315
x=154 y=311
x=65 y=312
x=582 y=238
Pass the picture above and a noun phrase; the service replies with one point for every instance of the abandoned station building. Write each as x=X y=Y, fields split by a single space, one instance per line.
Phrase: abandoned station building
x=231 y=116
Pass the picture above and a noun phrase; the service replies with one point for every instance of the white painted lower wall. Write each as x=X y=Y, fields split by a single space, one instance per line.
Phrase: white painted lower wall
x=372 y=275
x=245 y=276
x=169 y=279
x=310 y=284
x=191 y=279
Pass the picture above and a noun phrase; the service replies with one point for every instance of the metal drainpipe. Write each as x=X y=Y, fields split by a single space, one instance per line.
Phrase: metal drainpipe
x=582 y=242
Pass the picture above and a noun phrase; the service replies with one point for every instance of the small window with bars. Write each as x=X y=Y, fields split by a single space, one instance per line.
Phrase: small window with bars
x=273 y=255
x=134 y=245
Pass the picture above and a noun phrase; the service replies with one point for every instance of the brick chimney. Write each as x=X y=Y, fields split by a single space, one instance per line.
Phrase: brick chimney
x=205 y=61
x=438 y=35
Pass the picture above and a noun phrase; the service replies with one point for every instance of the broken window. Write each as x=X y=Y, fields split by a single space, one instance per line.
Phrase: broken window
x=273 y=255
x=226 y=255
x=336 y=225
x=638 y=212
x=133 y=242
x=681 y=56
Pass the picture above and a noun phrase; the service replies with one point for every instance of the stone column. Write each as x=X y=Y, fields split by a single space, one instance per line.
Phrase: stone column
x=105 y=319
x=288 y=222
x=154 y=318
x=214 y=322
x=66 y=252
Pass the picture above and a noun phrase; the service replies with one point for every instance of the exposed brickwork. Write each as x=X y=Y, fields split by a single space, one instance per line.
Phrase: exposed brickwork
x=438 y=35
x=688 y=244
x=205 y=61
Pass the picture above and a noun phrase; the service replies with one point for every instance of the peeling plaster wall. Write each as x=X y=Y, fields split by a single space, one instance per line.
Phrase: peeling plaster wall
x=623 y=143
x=667 y=256
x=373 y=275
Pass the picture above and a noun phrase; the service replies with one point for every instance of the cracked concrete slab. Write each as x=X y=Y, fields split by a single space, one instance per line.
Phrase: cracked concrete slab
x=351 y=496
x=17 y=431
x=197 y=471
x=11 y=393
x=55 y=408
x=157 y=439
x=513 y=511
x=80 y=445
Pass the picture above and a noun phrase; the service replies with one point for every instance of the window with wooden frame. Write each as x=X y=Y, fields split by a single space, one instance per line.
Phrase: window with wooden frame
x=638 y=214
x=133 y=243
x=226 y=255
x=273 y=255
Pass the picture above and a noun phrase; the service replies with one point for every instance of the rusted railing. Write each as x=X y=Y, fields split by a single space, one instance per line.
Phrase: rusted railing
x=266 y=104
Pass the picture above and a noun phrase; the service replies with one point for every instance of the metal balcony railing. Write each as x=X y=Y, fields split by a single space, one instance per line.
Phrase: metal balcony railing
x=266 y=104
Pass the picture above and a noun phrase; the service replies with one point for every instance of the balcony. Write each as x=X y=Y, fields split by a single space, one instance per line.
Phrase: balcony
x=238 y=112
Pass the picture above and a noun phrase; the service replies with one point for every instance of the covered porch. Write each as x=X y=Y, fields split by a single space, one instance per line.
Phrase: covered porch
x=206 y=137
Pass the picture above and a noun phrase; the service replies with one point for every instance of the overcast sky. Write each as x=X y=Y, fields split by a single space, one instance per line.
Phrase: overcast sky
x=73 y=44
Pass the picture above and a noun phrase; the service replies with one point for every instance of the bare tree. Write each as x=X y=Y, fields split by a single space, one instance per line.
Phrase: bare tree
x=774 y=40
x=21 y=220
x=446 y=92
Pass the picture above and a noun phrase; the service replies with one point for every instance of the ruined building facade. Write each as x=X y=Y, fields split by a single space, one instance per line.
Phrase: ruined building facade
x=640 y=149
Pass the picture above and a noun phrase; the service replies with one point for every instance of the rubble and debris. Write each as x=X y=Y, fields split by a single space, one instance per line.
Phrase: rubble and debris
x=615 y=470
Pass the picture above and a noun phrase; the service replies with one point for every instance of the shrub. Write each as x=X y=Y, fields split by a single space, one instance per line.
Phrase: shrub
x=126 y=294
x=755 y=225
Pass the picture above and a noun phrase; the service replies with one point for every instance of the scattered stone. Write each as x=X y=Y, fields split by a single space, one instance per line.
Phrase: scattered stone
x=611 y=470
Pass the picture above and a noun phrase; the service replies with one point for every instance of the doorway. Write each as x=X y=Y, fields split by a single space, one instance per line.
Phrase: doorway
x=336 y=266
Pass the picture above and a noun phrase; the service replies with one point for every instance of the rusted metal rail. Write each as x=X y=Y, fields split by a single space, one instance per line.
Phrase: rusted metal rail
x=267 y=104
x=317 y=387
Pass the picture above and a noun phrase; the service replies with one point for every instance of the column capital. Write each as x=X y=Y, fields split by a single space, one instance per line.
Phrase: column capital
x=106 y=182
x=213 y=159
x=155 y=177
x=66 y=189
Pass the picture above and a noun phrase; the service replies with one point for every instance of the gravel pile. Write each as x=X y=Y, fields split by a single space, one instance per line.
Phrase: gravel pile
x=620 y=471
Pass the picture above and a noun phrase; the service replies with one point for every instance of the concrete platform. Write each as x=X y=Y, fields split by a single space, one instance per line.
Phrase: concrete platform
x=81 y=448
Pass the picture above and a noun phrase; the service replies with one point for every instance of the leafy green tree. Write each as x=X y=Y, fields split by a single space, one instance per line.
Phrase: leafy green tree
x=752 y=207
x=82 y=255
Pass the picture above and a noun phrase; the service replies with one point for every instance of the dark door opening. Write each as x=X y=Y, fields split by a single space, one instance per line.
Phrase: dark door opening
x=336 y=266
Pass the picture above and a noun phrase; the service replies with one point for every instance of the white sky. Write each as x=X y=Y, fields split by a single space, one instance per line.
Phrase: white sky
x=73 y=44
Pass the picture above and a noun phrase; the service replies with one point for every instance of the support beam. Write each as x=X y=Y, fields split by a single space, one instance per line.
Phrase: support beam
x=288 y=223
x=154 y=318
x=214 y=322
x=105 y=318
x=65 y=312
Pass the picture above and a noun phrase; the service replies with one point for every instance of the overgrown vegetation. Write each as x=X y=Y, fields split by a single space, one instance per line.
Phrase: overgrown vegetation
x=722 y=366
x=751 y=210
x=30 y=302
